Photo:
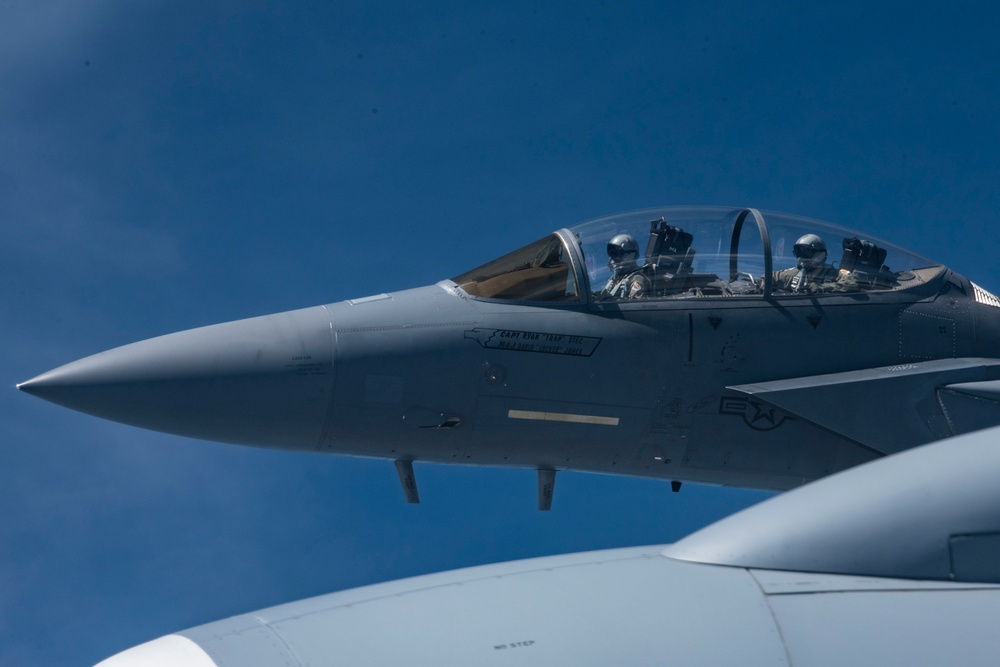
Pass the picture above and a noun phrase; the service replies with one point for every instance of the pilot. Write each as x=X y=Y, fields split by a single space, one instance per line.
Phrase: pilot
x=812 y=274
x=628 y=280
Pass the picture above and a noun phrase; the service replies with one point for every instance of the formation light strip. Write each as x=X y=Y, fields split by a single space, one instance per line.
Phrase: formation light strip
x=562 y=417
x=982 y=296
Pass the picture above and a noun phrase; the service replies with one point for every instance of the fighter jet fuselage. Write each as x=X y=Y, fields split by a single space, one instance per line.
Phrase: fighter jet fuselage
x=700 y=359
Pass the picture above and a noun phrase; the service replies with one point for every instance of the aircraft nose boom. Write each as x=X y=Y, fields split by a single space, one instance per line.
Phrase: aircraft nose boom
x=264 y=381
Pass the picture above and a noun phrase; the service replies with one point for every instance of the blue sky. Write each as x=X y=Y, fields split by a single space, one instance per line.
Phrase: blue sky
x=170 y=165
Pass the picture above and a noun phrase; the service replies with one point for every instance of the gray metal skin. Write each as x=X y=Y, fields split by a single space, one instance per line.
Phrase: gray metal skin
x=887 y=563
x=681 y=388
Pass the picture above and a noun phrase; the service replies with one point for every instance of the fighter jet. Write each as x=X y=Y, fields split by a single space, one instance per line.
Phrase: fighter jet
x=893 y=562
x=739 y=348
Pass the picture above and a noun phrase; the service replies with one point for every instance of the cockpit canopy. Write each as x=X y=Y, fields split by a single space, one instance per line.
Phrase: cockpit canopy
x=697 y=252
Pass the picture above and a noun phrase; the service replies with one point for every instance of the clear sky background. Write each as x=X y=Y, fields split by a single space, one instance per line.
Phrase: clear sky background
x=166 y=165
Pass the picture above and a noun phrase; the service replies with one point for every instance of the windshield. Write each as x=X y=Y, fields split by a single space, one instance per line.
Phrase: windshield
x=538 y=272
x=698 y=251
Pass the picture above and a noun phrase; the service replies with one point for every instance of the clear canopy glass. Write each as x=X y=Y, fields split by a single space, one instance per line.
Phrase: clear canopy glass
x=697 y=252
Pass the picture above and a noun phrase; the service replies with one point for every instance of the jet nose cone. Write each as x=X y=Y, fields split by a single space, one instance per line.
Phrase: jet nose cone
x=32 y=386
x=264 y=381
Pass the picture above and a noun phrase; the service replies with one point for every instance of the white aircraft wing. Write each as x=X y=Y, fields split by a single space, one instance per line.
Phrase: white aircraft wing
x=891 y=562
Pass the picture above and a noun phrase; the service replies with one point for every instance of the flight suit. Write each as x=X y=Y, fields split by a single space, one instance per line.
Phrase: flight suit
x=824 y=279
x=632 y=285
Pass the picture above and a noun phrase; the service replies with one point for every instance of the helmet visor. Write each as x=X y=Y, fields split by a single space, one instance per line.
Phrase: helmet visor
x=803 y=251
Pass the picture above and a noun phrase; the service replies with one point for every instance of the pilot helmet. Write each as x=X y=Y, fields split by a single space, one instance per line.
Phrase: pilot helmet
x=623 y=252
x=810 y=250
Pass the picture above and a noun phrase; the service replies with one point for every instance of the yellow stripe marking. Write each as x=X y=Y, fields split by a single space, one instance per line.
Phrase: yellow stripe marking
x=562 y=417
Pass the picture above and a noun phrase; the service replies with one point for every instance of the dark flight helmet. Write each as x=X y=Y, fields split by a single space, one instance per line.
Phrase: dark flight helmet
x=810 y=250
x=623 y=253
